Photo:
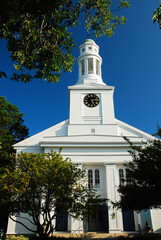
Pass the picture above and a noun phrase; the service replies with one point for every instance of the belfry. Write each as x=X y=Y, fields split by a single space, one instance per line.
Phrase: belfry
x=89 y=63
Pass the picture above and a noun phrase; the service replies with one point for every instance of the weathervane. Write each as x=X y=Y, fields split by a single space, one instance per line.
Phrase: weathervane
x=88 y=35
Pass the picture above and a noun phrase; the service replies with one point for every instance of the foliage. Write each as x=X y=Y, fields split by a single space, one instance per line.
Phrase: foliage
x=42 y=183
x=143 y=188
x=19 y=237
x=157 y=15
x=12 y=130
x=158 y=133
x=147 y=227
x=2 y=74
x=149 y=236
x=39 y=32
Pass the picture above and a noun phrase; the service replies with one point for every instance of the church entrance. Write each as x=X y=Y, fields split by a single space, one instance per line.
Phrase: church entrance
x=98 y=220
x=128 y=220
x=62 y=222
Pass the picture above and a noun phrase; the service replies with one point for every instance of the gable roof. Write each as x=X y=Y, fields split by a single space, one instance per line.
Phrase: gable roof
x=57 y=135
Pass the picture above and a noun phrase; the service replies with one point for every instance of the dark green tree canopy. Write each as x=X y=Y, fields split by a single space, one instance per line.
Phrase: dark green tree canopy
x=38 y=32
x=143 y=188
x=41 y=183
x=157 y=15
x=12 y=129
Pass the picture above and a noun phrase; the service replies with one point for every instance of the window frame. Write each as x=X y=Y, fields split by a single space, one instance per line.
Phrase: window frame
x=121 y=177
x=94 y=178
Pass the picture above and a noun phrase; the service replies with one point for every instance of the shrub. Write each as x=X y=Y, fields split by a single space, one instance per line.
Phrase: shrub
x=17 y=237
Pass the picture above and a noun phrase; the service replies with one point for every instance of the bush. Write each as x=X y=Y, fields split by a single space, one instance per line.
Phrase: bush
x=17 y=237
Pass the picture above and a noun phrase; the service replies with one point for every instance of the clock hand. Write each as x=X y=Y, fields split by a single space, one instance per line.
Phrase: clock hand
x=95 y=99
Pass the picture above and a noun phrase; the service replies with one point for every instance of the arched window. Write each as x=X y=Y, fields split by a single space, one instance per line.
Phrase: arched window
x=97 y=178
x=90 y=178
x=121 y=177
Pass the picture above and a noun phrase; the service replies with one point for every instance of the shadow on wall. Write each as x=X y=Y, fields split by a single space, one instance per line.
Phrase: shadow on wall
x=62 y=131
x=19 y=229
x=146 y=216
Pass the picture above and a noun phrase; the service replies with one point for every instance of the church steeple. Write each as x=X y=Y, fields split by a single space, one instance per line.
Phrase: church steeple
x=91 y=100
x=89 y=63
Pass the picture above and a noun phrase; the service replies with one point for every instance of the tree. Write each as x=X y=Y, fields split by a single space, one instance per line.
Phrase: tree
x=12 y=130
x=39 y=32
x=142 y=189
x=157 y=15
x=43 y=185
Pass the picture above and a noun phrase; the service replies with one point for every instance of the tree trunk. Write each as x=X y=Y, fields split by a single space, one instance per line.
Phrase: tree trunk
x=41 y=232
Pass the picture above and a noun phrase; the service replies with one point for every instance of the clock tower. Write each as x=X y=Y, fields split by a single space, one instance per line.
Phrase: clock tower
x=91 y=100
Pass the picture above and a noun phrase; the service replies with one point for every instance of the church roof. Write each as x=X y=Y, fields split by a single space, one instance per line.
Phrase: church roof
x=89 y=40
x=57 y=135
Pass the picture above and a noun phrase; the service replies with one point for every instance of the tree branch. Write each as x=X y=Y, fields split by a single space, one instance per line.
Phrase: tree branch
x=41 y=28
x=27 y=219
x=22 y=224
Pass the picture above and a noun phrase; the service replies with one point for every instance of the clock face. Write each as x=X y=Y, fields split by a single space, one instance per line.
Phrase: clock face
x=91 y=100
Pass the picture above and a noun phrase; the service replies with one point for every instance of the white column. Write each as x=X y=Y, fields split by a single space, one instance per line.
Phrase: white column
x=114 y=215
x=76 y=225
x=86 y=66
x=137 y=220
x=94 y=66
x=80 y=70
x=100 y=72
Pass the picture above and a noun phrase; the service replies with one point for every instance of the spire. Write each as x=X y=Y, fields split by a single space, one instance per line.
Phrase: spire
x=89 y=63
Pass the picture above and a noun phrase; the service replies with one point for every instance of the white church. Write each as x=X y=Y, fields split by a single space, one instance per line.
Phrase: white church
x=92 y=138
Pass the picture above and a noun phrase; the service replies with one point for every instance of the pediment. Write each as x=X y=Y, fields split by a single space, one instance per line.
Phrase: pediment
x=58 y=136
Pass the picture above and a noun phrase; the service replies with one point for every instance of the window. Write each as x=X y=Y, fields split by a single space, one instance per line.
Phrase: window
x=90 y=65
x=128 y=180
x=124 y=176
x=93 y=178
x=90 y=178
x=121 y=177
x=97 y=179
x=82 y=67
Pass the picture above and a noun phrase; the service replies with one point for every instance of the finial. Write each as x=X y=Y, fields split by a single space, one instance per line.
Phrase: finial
x=88 y=35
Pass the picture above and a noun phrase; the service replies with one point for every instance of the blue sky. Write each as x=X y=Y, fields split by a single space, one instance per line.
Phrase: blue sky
x=131 y=63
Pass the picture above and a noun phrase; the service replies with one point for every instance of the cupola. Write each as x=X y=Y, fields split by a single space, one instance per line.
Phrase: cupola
x=89 y=63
